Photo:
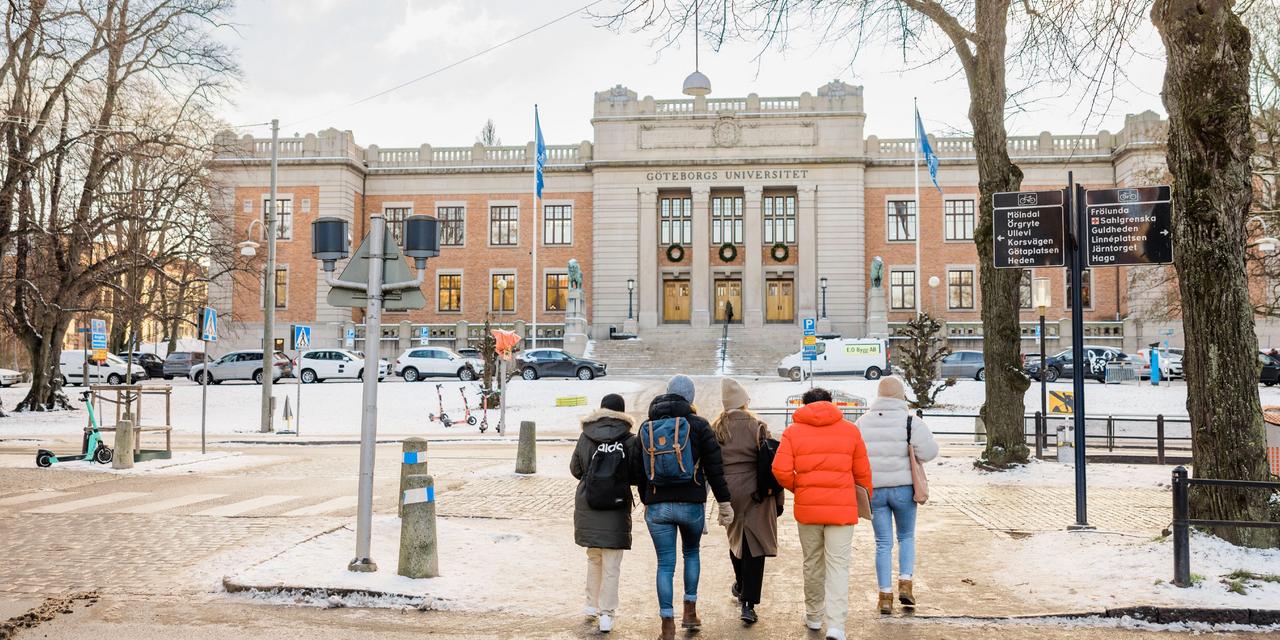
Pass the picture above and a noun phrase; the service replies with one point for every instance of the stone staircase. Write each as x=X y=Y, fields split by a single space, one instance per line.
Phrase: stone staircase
x=668 y=350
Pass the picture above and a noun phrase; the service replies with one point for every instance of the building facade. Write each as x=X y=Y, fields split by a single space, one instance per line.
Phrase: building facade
x=679 y=211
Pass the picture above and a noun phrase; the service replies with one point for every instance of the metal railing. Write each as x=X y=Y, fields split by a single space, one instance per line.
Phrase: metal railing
x=1182 y=520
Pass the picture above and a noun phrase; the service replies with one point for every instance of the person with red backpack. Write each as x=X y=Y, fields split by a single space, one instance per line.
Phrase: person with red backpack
x=605 y=462
x=679 y=457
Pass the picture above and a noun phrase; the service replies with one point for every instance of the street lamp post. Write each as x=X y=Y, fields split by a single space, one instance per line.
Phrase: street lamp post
x=1041 y=297
x=269 y=292
x=933 y=294
x=822 y=284
x=631 y=288
x=1265 y=244
x=502 y=364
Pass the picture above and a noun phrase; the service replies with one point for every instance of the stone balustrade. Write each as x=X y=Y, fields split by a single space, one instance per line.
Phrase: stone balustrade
x=834 y=97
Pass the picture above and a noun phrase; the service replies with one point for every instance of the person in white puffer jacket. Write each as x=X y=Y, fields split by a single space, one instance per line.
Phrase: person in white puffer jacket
x=884 y=430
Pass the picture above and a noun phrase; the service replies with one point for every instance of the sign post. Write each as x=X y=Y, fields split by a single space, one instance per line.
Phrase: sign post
x=810 y=349
x=208 y=333
x=349 y=340
x=97 y=342
x=424 y=334
x=300 y=337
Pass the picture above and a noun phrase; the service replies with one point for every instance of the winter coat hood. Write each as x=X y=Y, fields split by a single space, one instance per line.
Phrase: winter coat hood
x=883 y=403
x=818 y=414
x=670 y=405
x=605 y=425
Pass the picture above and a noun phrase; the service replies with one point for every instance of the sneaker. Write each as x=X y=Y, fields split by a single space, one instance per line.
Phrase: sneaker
x=590 y=612
x=835 y=634
x=606 y=623
x=748 y=615
x=813 y=624
x=736 y=591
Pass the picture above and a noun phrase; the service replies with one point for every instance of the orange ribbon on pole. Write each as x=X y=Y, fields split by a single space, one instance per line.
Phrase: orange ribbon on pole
x=505 y=342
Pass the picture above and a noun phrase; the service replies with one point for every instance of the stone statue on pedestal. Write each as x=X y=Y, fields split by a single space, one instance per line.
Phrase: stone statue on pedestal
x=575 y=317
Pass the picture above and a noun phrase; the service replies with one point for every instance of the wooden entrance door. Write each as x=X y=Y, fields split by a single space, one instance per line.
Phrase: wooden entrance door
x=780 y=301
x=675 y=301
x=728 y=292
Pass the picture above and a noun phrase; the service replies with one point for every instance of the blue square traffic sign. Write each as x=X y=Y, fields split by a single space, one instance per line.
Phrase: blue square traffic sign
x=810 y=326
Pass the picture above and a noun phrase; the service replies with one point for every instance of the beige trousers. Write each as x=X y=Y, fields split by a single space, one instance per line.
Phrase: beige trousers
x=826 y=572
x=603 y=568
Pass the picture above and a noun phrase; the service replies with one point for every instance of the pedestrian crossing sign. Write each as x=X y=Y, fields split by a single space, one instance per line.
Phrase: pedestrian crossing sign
x=209 y=325
x=301 y=337
x=1062 y=402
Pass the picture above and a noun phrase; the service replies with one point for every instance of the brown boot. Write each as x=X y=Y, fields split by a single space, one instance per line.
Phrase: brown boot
x=668 y=629
x=690 y=621
x=886 y=603
x=905 y=596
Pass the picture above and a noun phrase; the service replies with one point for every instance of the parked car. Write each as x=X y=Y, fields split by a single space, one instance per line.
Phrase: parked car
x=1269 y=372
x=318 y=365
x=178 y=363
x=555 y=363
x=239 y=365
x=1170 y=364
x=419 y=363
x=964 y=364
x=9 y=377
x=111 y=371
x=1060 y=365
x=150 y=362
x=868 y=357
x=470 y=352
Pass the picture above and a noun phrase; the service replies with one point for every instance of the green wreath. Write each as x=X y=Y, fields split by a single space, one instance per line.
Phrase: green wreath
x=675 y=253
x=780 y=252
x=728 y=252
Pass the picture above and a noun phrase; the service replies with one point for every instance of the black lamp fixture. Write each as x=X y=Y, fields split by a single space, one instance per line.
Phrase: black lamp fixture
x=822 y=283
x=631 y=287
x=421 y=239
x=330 y=241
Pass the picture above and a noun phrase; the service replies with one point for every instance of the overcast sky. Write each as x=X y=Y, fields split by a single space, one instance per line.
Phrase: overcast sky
x=304 y=61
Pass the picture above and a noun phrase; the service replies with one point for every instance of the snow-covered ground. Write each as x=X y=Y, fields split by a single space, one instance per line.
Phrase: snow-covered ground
x=182 y=462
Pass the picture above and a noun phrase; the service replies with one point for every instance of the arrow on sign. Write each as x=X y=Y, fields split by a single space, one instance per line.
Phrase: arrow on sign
x=1000 y=238
x=1164 y=232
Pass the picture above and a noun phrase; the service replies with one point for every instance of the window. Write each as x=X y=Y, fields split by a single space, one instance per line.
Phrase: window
x=557 y=294
x=282 y=288
x=449 y=292
x=284 y=217
x=1024 y=290
x=557 y=224
x=779 y=220
x=676 y=219
x=960 y=289
x=395 y=220
x=504 y=226
x=957 y=219
x=726 y=220
x=453 y=226
x=901 y=223
x=1085 y=291
x=503 y=300
x=902 y=289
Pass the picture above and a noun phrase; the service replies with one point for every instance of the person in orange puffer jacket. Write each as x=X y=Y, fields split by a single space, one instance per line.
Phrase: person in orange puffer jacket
x=820 y=459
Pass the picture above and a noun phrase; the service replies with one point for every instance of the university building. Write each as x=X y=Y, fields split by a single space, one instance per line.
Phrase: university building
x=678 y=210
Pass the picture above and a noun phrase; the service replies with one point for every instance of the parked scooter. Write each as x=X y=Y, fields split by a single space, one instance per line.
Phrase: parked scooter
x=471 y=420
x=93 y=448
x=442 y=417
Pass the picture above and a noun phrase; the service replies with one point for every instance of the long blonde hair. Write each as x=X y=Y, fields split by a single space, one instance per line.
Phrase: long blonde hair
x=720 y=426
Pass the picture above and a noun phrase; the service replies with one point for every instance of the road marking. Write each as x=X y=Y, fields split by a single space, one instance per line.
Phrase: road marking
x=107 y=498
x=171 y=503
x=32 y=497
x=328 y=506
x=244 y=506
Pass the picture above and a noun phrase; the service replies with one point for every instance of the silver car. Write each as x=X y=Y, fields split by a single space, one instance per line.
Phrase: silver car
x=238 y=365
x=964 y=364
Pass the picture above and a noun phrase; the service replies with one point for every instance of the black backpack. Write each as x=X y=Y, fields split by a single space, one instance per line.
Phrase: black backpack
x=608 y=478
x=766 y=484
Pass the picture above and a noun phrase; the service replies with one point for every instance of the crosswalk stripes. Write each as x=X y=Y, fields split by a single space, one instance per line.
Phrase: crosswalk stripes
x=171 y=503
x=106 y=498
x=328 y=506
x=31 y=497
x=244 y=506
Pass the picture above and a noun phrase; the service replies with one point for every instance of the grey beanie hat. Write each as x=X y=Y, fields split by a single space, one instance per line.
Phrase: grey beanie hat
x=682 y=386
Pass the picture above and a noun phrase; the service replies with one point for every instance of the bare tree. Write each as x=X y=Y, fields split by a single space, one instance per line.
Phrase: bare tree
x=489 y=134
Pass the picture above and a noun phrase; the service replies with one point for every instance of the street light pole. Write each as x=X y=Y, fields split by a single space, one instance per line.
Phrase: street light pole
x=631 y=289
x=269 y=288
x=823 y=283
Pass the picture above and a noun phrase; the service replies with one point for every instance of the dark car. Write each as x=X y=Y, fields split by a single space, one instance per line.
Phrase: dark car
x=964 y=364
x=555 y=363
x=178 y=363
x=1269 y=370
x=1060 y=365
x=149 y=362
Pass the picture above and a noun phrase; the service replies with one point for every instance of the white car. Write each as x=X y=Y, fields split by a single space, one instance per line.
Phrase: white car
x=114 y=370
x=422 y=362
x=9 y=377
x=318 y=365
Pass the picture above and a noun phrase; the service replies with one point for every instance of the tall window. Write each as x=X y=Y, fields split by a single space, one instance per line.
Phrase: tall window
x=901 y=219
x=557 y=224
x=960 y=289
x=504 y=226
x=282 y=288
x=676 y=220
x=284 y=217
x=395 y=220
x=453 y=226
x=1085 y=291
x=449 y=292
x=957 y=219
x=726 y=220
x=902 y=289
x=1024 y=289
x=557 y=295
x=503 y=299
x=779 y=219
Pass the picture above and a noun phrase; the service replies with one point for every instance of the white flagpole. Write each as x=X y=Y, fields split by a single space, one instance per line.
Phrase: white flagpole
x=533 y=340
x=915 y=167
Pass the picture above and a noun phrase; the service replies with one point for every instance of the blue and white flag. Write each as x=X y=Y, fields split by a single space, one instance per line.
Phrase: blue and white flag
x=541 y=159
x=930 y=158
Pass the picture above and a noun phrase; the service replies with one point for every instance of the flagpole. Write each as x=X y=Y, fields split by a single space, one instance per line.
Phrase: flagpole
x=915 y=168
x=533 y=341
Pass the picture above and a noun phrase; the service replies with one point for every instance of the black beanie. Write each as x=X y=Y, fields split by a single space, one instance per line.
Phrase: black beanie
x=613 y=402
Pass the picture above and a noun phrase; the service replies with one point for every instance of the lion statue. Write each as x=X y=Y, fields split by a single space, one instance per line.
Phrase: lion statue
x=575 y=274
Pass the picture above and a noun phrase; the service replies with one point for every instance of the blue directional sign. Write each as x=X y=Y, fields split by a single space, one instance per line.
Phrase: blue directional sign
x=97 y=334
x=301 y=337
x=209 y=325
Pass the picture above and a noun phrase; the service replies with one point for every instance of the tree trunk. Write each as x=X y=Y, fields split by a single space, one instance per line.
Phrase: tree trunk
x=1206 y=91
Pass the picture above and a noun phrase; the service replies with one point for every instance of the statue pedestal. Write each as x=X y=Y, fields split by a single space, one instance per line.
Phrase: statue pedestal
x=824 y=325
x=630 y=326
x=575 y=324
x=877 y=317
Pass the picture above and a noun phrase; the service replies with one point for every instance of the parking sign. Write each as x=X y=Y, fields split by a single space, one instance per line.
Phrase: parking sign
x=423 y=334
x=810 y=326
x=351 y=337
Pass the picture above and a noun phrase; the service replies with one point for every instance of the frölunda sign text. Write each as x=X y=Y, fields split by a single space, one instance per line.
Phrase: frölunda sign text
x=726 y=175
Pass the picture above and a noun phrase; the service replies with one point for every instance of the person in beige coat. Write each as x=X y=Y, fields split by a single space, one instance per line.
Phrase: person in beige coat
x=753 y=534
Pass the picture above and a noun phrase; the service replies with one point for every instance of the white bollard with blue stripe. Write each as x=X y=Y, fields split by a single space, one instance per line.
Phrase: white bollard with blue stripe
x=414 y=457
x=418 y=554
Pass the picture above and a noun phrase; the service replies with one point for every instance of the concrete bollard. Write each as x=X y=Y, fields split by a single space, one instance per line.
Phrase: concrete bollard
x=979 y=430
x=527 y=451
x=418 y=552
x=122 y=457
x=414 y=458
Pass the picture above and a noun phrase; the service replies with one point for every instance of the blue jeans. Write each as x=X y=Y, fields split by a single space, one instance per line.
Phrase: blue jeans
x=892 y=506
x=664 y=520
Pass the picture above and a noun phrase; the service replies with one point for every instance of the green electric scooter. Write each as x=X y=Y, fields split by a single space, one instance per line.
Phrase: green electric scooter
x=93 y=449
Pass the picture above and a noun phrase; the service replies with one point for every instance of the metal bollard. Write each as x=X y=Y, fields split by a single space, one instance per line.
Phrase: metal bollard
x=1160 y=438
x=1181 y=531
x=1038 y=435
x=418 y=550
x=122 y=457
x=526 y=451
x=415 y=462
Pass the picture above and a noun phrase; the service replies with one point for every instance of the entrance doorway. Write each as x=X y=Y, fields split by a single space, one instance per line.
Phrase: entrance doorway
x=728 y=293
x=675 y=301
x=780 y=301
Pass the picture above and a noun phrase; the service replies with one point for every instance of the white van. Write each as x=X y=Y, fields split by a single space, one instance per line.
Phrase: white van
x=113 y=371
x=841 y=356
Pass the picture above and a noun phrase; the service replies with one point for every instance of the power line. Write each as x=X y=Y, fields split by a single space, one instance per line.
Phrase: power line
x=448 y=66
